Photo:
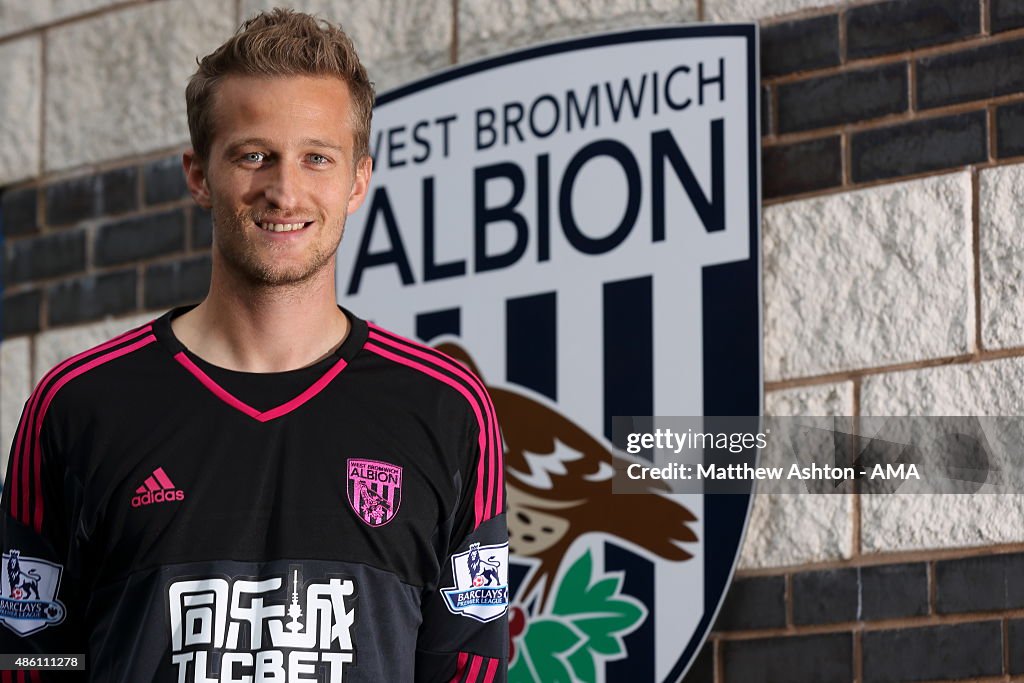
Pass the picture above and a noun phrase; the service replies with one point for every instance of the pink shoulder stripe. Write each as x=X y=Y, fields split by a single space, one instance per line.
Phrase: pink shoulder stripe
x=479 y=504
x=460 y=667
x=37 y=456
x=474 y=667
x=495 y=466
x=33 y=674
x=27 y=467
x=28 y=422
x=31 y=424
x=492 y=669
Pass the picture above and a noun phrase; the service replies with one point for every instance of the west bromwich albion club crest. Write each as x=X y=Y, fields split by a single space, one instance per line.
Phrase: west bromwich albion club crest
x=602 y=264
x=29 y=589
x=481 y=582
x=374 y=490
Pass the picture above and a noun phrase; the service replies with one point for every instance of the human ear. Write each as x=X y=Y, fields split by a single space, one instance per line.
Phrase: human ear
x=195 y=178
x=360 y=184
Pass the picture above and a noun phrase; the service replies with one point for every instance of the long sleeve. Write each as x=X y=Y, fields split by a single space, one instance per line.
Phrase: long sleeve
x=464 y=634
x=39 y=587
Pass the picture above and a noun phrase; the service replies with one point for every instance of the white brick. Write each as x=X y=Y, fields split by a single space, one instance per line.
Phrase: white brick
x=54 y=346
x=924 y=521
x=397 y=40
x=747 y=10
x=23 y=15
x=21 y=79
x=1002 y=256
x=15 y=387
x=820 y=399
x=487 y=27
x=989 y=388
x=115 y=84
x=789 y=529
x=867 y=278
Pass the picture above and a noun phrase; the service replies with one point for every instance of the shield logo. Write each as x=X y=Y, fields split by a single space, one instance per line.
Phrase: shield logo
x=481 y=582
x=582 y=220
x=374 y=490
x=29 y=589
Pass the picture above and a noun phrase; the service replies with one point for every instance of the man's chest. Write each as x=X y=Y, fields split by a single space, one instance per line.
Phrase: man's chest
x=365 y=486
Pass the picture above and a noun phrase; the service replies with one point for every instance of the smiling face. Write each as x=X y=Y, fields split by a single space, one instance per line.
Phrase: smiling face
x=280 y=179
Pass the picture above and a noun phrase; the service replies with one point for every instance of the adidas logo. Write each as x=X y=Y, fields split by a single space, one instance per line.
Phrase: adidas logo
x=158 y=488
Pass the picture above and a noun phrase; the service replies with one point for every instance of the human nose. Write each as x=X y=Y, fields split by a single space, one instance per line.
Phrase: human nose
x=283 y=186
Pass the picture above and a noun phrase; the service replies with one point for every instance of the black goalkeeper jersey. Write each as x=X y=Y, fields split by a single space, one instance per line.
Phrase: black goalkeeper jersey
x=181 y=522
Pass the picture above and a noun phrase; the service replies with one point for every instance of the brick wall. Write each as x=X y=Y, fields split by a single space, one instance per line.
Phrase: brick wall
x=888 y=90
x=956 y=616
x=83 y=248
x=892 y=264
x=892 y=145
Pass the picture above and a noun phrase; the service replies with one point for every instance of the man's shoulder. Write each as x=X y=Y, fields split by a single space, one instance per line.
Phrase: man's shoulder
x=442 y=372
x=92 y=373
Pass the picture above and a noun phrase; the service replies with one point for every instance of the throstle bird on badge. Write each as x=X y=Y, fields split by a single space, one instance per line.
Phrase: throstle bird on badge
x=374 y=490
x=559 y=483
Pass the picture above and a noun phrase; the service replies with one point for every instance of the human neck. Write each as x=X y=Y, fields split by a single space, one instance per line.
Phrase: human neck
x=268 y=329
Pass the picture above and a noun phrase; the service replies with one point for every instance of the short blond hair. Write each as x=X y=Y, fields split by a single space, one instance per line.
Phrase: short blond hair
x=280 y=42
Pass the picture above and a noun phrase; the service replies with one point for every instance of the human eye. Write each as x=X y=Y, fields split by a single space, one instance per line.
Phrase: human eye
x=252 y=157
x=319 y=160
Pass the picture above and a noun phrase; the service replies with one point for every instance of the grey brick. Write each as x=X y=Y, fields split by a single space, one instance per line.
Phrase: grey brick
x=73 y=200
x=21 y=312
x=1006 y=14
x=934 y=652
x=978 y=584
x=901 y=25
x=752 y=603
x=800 y=659
x=35 y=258
x=140 y=237
x=1010 y=130
x=972 y=74
x=85 y=197
x=19 y=210
x=843 y=98
x=825 y=597
x=176 y=283
x=202 y=228
x=1015 y=641
x=119 y=190
x=801 y=167
x=893 y=591
x=165 y=180
x=918 y=146
x=91 y=297
x=802 y=45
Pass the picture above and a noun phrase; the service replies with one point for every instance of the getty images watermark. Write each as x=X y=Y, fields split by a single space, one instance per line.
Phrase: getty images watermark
x=878 y=455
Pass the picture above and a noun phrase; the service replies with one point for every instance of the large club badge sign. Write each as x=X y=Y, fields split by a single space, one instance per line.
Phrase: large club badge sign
x=579 y=223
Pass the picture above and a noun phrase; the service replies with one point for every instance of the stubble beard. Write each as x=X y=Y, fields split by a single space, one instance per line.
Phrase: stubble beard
x=256 y=266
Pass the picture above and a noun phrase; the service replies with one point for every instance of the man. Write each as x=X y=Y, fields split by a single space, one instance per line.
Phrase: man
x=263 y=487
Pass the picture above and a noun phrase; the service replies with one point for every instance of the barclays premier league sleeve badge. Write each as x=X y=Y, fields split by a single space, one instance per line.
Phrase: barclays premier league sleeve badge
x=481 y=582
x=28 y=602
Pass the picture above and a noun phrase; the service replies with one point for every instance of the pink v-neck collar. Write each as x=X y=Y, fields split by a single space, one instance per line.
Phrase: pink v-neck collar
x=353 y=342
x=240 y=405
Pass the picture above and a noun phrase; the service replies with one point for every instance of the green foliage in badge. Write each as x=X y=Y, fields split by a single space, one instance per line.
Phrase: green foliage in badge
x=585 y=626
